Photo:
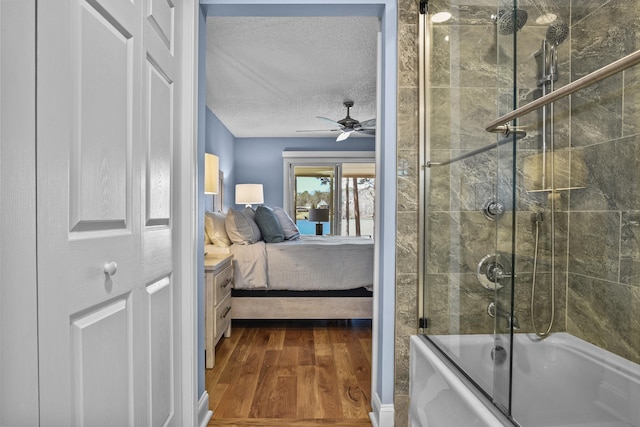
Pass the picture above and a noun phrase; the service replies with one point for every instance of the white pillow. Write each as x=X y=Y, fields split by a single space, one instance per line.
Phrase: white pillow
x=291 y=231
x=215 y=229
x=241 y=229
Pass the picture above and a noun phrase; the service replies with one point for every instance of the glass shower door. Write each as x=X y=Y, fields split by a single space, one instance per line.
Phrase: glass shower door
x=468 y=220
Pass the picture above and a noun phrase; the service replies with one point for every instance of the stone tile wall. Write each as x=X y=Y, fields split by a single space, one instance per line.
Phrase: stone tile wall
x=597 y=229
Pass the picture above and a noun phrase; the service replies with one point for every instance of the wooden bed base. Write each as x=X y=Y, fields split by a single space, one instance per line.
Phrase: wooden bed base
x=301 y=308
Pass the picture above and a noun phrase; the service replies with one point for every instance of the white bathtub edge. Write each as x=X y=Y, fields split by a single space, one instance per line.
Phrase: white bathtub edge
x=486 y=412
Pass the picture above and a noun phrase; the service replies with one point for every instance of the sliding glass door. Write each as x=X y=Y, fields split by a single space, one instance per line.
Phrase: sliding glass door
x=331 y=196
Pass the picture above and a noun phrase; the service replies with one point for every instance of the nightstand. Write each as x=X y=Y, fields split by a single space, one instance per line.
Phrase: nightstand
x=218 y=279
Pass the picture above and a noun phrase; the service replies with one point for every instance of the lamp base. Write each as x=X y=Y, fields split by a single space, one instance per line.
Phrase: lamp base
x=319 y=229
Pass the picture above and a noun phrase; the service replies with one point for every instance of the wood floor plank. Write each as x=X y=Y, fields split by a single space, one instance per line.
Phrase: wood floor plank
x=328 y=389
x=267 y=383
x=307 y=393
x=289 y=373
x=354 y=399
x=321 y=342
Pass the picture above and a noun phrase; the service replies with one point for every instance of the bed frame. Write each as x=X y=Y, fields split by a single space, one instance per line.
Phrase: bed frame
x=302 y=307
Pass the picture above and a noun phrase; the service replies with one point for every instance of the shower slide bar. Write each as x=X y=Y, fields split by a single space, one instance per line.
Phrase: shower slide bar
x=591 y=78
x=518 y=135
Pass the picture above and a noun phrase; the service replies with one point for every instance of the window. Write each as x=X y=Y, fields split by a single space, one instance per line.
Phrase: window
x=344 y=186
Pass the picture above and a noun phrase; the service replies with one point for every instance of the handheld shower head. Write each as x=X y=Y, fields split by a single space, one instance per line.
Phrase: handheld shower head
x=509 y=21
x=557 y=32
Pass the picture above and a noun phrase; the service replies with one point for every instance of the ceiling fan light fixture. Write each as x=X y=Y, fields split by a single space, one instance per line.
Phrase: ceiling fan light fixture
x=343 y=136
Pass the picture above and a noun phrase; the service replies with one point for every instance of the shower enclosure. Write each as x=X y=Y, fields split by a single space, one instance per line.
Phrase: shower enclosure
x=530 y=194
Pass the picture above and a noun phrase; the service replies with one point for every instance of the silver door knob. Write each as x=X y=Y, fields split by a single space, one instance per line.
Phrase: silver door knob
x=110 y=268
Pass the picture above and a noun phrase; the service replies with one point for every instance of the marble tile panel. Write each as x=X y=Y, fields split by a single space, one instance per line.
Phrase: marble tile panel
x=473 y=182
x=440 y=59
x=594 y=240
x=438 y=178
x=407 y=184
x=630 y=249
x=631 y=105
x=468 y=302
x=542 y=301
x=440 y=126
x=581 y=9
x=408 y=112
x=612 y=179
x=438 y=243
x=408 y=11
x=407 y=242
x=408 y=61
x=604 y=314
x=597 y=113
x=635 y=320
x=401 y=410
x=436 y=303
x=407 y=135
x=473 y=56
x=603 y=36
x=470 y=110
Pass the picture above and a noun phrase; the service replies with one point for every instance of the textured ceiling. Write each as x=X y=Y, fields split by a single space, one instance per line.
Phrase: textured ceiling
x=271 y=76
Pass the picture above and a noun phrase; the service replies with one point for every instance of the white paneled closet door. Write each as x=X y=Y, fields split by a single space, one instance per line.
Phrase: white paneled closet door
x=106 y=126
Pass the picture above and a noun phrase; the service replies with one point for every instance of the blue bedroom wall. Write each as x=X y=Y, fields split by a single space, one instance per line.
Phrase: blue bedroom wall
x=221 y=143
x=259 y=160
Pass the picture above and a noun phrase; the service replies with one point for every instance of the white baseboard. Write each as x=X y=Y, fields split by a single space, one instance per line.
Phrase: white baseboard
x=204 y=414
x=381 y=415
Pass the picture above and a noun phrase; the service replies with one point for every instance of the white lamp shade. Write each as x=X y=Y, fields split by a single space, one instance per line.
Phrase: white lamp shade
x=211 y=173
x=249 y=194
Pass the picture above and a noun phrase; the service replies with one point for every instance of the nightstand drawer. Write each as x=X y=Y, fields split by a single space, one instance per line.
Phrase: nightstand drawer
x=222 y=284
x=223 y=317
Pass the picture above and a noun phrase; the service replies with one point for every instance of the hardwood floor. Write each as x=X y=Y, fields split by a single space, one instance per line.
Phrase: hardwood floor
x=292 y=373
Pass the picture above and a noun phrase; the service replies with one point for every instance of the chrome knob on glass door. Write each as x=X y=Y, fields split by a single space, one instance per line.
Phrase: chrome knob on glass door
x=110 y=268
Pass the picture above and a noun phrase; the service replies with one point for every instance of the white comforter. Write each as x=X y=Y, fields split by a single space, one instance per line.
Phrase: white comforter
x=311 y=263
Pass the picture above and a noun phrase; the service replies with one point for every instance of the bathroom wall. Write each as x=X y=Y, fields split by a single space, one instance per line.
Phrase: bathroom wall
x=592 y=254
x=407 y=203
x=603 y=304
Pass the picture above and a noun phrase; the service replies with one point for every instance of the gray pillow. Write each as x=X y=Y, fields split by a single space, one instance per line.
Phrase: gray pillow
x=241 y=229
x=269 y=225
x=289 y=228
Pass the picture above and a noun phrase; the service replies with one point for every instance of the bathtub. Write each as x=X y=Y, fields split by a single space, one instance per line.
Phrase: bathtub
x=561 y=381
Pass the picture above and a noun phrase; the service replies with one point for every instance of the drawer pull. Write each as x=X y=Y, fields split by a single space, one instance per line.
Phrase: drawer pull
x=225 y=284
x=226 y=312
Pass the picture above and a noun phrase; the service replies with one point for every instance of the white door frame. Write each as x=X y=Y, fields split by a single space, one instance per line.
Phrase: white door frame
x=195 y=409
x=383 y=340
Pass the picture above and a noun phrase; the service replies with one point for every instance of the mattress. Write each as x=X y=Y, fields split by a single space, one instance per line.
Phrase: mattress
x=311 y=263
x=320 y=263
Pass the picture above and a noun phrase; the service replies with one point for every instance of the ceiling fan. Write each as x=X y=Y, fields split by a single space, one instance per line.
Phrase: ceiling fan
x=348 y=125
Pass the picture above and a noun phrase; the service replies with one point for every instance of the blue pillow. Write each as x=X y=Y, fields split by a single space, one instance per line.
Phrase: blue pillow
x=269 y=225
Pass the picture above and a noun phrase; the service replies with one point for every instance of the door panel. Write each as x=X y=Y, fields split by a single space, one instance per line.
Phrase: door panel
x=101 y=148
x=161 y=16
x=160 y=351
x=106 y=127
x=102 y=364
x=159 y=145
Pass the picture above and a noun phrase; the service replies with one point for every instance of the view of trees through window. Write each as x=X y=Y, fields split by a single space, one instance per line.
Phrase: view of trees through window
x=316 y=189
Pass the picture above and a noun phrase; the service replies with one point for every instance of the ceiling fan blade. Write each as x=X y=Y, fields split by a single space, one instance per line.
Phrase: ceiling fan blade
x=319 y=130
x=371 y=123
x=330 y=121
x=369 y=131
x=343 y=136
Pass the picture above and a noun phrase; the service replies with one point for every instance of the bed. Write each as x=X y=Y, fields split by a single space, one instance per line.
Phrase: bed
x=309 y=277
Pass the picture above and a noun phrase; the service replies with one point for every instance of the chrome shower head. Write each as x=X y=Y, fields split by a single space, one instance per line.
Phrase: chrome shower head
x=509 y=21
x=557 y=32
